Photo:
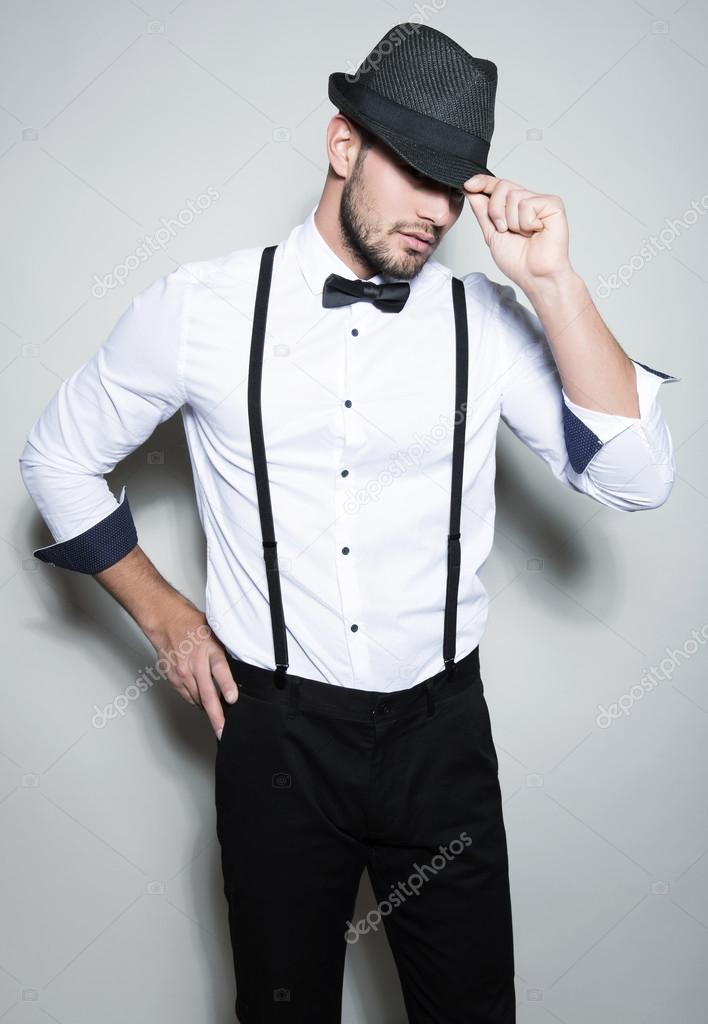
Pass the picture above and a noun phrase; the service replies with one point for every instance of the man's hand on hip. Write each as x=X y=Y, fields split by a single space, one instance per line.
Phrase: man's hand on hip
x=196 y=662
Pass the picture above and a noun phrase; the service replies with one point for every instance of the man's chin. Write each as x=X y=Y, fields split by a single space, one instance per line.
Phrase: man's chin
x=412 y=264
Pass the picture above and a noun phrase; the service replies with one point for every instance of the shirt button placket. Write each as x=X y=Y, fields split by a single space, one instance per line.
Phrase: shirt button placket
x=346 y=506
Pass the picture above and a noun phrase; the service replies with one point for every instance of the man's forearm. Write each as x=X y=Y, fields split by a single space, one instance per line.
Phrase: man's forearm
x=146 y=595
x=594 y=370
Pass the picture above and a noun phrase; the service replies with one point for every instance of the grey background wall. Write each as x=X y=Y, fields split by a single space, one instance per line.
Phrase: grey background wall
x=115 y=116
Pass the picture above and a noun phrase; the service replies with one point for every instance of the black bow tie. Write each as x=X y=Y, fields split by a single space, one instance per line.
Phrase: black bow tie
x=340 y=291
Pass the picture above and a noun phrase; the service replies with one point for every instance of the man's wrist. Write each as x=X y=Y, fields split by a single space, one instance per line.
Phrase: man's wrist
x=168 y=607
x=566 y=284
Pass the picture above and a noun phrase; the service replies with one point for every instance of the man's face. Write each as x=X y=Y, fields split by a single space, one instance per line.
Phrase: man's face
x=385 y=201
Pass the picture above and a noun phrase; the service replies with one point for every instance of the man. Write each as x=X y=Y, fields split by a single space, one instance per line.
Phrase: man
x=341 y=394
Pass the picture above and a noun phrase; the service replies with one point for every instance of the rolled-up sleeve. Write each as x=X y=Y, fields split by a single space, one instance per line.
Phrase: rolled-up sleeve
x=102 y=412
x=622 y=461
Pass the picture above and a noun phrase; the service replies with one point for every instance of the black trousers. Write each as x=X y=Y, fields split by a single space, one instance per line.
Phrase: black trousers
x=314 y=783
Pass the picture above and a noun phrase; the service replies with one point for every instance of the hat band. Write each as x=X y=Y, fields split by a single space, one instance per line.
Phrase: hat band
x=454 y=141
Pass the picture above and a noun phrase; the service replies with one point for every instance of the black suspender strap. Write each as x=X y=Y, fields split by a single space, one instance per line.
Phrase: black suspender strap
x=458 y=455
x=255 y=420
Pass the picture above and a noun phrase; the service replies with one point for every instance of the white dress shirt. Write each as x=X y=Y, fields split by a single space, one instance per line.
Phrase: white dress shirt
x=360 y=492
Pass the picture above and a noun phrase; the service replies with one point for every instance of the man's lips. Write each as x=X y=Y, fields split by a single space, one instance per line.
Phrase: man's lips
x=418 y=240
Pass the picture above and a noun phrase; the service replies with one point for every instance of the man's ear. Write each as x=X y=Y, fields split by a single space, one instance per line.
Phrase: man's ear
x=341 y=141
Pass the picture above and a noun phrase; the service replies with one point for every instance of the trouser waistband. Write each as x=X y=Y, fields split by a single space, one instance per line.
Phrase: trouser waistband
x=353 y=702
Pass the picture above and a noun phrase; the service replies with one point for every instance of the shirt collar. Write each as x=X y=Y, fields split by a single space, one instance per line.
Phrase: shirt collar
x=317 y=260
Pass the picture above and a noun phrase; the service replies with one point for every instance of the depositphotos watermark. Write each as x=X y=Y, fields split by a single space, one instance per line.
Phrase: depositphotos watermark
x=651 y=679
x=156 y=242
x=402 y=461
x=651 y=247
x=399 y=893
x=144 y=681
x=394 y=38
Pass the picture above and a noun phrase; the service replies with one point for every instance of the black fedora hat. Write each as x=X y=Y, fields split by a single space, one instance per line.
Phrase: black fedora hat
x=428 y=99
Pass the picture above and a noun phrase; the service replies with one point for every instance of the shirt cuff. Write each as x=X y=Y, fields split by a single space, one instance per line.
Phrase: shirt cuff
x=586 y=430
x=94 y=550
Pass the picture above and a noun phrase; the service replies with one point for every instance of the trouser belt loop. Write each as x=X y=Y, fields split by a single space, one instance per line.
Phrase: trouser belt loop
x=429 y=698
x=294 y=698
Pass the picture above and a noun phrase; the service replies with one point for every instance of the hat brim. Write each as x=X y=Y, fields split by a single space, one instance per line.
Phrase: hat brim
x=438 y=161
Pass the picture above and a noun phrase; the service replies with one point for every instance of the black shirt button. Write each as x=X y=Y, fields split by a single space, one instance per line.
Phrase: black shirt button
x=345 y=472
x=345 y=551
x=354 y=627
x=348 y=403
x=355 y=332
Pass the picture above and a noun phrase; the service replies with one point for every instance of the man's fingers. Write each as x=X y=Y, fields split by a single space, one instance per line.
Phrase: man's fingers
x=480 y=183
x=210 y=699
x=512 y=209
x=479 y=204
x=186 y=684
x=222 y=674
